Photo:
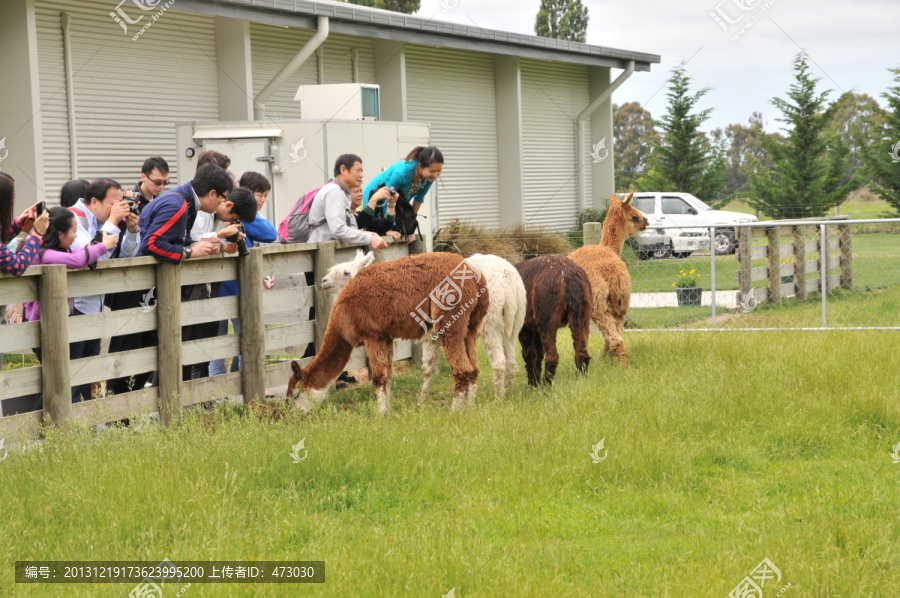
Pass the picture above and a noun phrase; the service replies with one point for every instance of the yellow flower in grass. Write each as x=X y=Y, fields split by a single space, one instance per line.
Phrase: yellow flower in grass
x=691 y=272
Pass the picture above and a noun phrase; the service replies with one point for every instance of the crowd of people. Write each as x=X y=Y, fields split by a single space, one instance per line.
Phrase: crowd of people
x=213 y=212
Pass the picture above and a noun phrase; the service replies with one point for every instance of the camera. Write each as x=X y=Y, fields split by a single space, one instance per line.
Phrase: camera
x=241 y=243
x=134 y=206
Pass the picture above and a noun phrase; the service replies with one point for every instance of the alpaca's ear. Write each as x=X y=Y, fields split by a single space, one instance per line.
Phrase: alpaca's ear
x=614 y=198
x=359 y=255
x=295 y=366
x=627 y=200
x=370 y=259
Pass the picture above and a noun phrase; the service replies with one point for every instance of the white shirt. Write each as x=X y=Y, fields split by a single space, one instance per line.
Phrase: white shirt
x=130 y=245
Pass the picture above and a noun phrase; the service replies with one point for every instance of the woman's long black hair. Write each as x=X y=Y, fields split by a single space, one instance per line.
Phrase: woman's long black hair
x=61 y=221
x=426 y=156
x=7 y=205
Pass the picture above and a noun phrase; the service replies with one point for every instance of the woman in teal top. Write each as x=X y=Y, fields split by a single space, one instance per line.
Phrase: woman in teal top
x=412 y=177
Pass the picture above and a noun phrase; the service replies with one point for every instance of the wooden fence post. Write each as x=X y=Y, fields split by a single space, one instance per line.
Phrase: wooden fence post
x=57 y=387
x=774 y=255
x=324 y=260
x=168 y=324
x=592 y=233
x=745 y=241
x=799 y=233
x=846 y=238
x=253 y=326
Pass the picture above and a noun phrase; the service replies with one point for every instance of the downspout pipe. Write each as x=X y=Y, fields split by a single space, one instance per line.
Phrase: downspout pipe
x=66 y=22
x=259 y=103
x=579 y=126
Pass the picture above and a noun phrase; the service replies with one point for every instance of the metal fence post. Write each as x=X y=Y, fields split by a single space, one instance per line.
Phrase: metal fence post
x=823 y=271
x=712 y=272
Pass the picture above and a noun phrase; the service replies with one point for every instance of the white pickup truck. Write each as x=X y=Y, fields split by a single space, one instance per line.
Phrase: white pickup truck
x=692 y=216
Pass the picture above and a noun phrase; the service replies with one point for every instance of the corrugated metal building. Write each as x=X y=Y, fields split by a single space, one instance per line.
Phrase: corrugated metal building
x=81 y=95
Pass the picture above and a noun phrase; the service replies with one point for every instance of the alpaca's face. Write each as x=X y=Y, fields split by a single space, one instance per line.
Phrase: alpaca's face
x=633 y=219
x=338 y=276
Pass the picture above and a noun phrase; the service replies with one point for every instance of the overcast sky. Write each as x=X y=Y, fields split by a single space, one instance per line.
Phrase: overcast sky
x=853 y=44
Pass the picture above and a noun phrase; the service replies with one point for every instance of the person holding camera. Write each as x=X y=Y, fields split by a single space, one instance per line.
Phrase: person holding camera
x=168 y=220
x=154 y=178
x=411 y=177
x=100 y=212
x=259 y=231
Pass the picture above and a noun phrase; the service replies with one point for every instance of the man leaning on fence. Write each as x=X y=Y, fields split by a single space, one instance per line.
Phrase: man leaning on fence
x=102 y=209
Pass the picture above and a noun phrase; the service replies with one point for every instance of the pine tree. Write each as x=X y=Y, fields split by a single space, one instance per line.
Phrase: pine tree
x=562 y=19
x=405 y=6
x=684 y=160
x=809 y=163
x=879 y=163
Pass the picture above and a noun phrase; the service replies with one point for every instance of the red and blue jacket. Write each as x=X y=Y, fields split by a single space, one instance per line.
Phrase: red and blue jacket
x=166 y=224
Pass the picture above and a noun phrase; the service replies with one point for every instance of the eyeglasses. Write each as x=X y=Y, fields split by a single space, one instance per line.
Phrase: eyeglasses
x=158 y=183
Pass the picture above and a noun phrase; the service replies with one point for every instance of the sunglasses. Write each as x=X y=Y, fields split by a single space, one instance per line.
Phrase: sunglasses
x=158 y=183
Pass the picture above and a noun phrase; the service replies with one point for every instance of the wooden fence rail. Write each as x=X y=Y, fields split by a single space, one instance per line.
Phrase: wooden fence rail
x=273 y=323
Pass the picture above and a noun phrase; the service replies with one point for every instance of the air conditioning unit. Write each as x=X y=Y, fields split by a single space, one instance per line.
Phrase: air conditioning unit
x=344 y=101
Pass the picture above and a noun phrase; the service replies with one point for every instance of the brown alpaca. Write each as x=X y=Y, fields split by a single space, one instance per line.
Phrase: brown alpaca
x=609 y=275
x=437 y=294
x=559 y=293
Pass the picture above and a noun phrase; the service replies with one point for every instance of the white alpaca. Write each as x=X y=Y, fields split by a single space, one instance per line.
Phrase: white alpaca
x=499 y=330
x=338 y=276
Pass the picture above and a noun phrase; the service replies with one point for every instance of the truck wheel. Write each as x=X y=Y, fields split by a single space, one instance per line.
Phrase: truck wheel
x=724 y=242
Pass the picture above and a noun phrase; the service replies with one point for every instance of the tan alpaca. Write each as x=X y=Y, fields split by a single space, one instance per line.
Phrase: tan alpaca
x=393 y=300
x=610 y=280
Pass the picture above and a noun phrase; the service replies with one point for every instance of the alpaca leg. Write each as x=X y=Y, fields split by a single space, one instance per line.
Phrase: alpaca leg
x=381 y=356
x=430 y=362
x=615 y=342
x=493 y=345
x=580 y=343
x=463 y=373
x=548 y=340
x=533 y=354
x=512 y=366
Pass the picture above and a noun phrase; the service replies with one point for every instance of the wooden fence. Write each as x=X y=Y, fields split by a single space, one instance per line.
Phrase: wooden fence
x=793 y=260
x=274 y=322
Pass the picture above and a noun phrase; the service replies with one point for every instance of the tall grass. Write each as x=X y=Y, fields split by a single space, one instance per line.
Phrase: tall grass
x=516 y=243
x=722 y=450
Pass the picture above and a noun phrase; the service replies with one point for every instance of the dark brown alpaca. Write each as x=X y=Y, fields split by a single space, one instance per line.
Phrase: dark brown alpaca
x=559 y=294
x=436 y=294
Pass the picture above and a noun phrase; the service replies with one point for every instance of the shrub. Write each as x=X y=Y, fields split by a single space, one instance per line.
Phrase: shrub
x=517 y=243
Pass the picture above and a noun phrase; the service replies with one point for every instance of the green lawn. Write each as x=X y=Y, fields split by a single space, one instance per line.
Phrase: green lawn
x=722 y=450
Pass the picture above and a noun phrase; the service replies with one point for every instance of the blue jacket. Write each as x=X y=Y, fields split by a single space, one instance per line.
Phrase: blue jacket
x=258 y=231
x=166 y=224
x=400 y=177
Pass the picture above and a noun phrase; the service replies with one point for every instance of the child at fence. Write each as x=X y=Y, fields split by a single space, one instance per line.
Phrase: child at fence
x=56 y=249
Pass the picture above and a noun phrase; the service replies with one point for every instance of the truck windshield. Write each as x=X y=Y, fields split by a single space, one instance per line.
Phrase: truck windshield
x=697 y=203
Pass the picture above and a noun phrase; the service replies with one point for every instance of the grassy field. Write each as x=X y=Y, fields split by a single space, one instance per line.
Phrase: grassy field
x=722 y=450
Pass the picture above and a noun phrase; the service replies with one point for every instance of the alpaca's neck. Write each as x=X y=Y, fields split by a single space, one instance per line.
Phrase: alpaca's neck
x=330 y=360
x=613 y=236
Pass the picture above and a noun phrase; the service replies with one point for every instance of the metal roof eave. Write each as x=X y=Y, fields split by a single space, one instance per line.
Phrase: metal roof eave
x=362 y=21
